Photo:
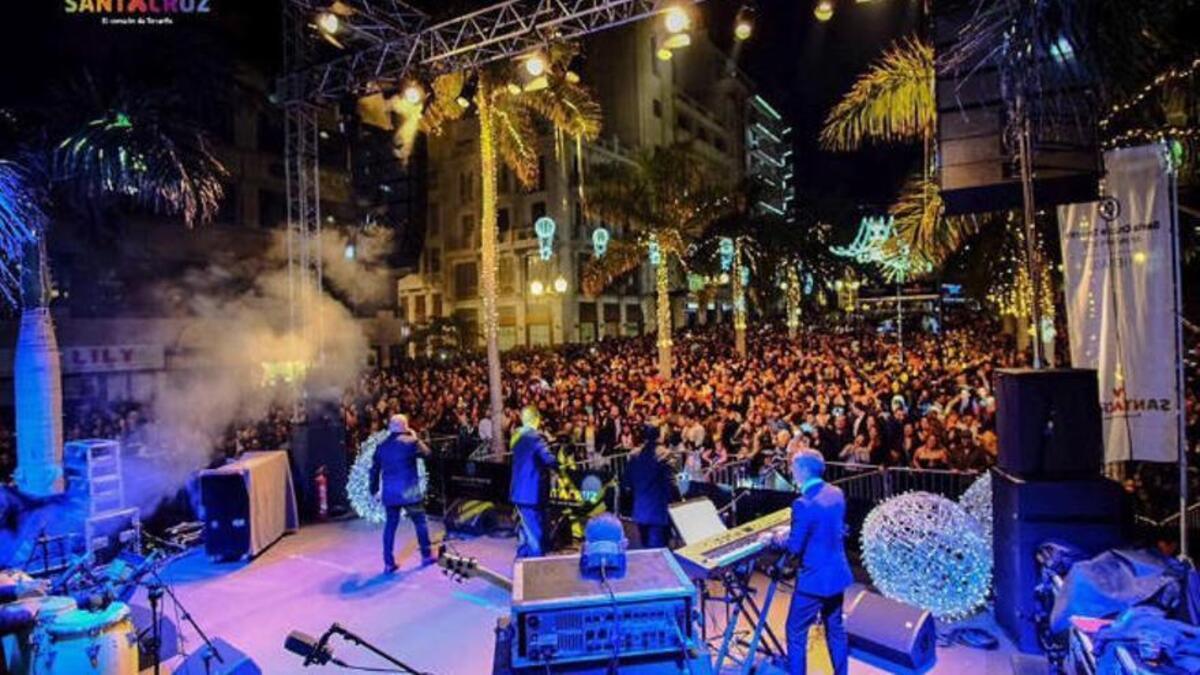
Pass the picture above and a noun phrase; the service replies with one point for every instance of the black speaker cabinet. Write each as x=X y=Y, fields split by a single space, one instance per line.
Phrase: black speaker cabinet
x=226 y=515
x=1088 y=514
x=1048 y=422
x=890 y=631
x=977 y=160
x=317 y=445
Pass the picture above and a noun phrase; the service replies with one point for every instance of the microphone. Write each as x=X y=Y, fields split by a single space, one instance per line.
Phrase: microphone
x=75 y=567
x=303 y=644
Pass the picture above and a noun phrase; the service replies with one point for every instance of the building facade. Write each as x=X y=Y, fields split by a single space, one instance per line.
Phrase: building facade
x=769 y=157
x=696 y=97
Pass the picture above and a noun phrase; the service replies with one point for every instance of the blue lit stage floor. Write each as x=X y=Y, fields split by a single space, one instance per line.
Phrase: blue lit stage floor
x=331 y=572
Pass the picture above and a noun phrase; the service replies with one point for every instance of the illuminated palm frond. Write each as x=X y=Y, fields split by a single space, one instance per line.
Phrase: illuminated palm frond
x=136 y=155
x=892 y=102
x=442 y=106
x=22 y=221
x=620 y=259
x=920 y=221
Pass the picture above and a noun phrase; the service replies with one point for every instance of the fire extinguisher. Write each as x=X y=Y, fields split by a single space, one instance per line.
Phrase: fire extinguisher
x=322 y=493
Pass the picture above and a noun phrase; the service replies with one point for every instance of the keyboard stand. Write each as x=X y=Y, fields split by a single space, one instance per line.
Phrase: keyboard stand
x=741 y=594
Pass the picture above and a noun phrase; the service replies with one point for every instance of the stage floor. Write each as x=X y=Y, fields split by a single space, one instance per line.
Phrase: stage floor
x=332 y=572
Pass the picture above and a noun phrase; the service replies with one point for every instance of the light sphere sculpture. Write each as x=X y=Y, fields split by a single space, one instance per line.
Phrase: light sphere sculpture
x=977 y=501
x=925 y=550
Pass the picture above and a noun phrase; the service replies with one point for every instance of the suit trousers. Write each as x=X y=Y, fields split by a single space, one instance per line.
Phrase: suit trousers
x=532 y=532
x=653 y=536
x=416 y=513
x=801 y=616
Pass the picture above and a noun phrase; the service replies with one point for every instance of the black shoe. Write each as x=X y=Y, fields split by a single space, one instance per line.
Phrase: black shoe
x=428 y=559
x=390 y=568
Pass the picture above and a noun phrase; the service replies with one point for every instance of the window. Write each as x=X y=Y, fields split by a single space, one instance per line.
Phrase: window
x=536 y=210
x=435 y=261
x=657 y=107
x=506 y=276
x=437 y=305
x=403 y=307
x=541 y=173
x=466 y=281
x=504 y=181
x=434 y=226
x=419 y=308
x=503 y=224
x=466 y=187
x=467 y=229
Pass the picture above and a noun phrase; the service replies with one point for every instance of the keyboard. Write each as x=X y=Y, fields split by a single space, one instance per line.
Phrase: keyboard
x=732 y=546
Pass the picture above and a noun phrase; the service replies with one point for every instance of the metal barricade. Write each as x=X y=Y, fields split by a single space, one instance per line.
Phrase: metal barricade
x=949 y=484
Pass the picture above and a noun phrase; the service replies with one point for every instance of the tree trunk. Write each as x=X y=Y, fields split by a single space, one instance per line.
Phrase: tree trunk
x=739 y=303
x=793 y=301
x=37 y=380
x=488 y=264
x=662 y=285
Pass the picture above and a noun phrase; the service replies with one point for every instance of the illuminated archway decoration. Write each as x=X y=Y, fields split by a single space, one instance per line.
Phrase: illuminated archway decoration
x=369 y=507
x=544 y=229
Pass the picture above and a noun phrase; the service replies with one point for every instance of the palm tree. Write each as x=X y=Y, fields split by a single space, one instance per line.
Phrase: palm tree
x=135 y=151
x=663 y=201
x=508 y=132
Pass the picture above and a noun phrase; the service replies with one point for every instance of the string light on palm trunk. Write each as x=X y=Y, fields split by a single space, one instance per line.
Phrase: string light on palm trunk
x=823 y=10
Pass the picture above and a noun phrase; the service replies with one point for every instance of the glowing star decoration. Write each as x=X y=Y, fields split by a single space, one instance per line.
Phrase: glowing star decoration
x=927 y=551
x=544 y=228
x=725 y=249
x=600 y=239
x=654 y=251
x=369 y=507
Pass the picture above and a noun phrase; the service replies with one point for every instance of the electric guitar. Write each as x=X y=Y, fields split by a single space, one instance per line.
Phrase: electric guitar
x=459 y=568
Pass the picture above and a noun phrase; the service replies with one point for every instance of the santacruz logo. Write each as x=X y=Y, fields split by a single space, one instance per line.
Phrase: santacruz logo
x=1121 y=405
x=132 y=8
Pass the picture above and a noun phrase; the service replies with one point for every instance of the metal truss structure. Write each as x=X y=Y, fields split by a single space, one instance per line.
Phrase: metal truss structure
x=386 y=42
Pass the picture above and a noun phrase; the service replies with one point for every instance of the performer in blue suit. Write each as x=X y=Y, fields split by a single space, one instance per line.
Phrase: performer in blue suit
x=395 y=465
x=530 y=460
x=817 y=539
x=650 y=478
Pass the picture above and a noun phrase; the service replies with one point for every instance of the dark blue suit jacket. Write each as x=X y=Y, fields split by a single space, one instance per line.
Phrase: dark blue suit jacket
x=652 y=483
x=817 y=540
x=530 y=457
x=395 y=462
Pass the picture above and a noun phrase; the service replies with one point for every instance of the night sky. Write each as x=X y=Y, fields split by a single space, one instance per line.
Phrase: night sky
x=798 y=63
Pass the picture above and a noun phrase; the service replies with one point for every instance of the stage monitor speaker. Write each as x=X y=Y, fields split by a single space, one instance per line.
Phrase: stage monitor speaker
x=887 y=630
x=1048 y=422
x=1086 y=514
x=233 y=661
x=977 y=159
x=316 y=445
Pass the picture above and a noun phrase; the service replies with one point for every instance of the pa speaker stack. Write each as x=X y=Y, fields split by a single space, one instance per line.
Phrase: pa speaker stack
x=1047 y=485
x=978 y=170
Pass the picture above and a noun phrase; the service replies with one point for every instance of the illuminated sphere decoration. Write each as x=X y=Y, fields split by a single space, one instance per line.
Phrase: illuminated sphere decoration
x=977 y=501
x=927 y=551
x=369 y=507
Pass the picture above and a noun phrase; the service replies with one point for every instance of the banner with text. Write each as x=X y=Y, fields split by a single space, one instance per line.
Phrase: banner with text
x=1121 y=275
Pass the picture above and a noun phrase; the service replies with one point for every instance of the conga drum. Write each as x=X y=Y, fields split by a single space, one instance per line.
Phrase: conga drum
x=18 y=647
x=103 y=643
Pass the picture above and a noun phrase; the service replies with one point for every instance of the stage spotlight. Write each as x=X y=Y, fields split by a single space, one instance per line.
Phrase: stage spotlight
x=468 y=92
x=743 y=25
x=535 y=64
x=676 y=19
x=824 y=10
x=414 y=93
x=329 y=23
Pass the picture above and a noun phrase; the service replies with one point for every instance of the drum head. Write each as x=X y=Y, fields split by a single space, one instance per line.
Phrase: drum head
x=49 y=606
x=78 y=622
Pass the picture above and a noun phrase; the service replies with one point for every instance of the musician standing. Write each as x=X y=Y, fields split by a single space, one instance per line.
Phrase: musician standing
x=530 y=460
x=395 y=465
x=817 y=539
x=651 y=480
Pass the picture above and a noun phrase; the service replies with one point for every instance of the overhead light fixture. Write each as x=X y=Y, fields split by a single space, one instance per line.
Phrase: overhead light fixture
x=743 y=25
x=329 y=23
x=824 y=10
x=676 y=19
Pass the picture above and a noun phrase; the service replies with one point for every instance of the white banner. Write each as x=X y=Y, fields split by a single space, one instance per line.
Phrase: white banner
x=1121 y=281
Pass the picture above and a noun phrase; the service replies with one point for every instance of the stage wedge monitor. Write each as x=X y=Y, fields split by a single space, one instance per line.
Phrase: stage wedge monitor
x=890 y=631
x=978 y=169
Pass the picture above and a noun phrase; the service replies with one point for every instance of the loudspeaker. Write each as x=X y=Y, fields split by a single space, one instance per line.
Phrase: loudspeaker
x=1087 y=514
x=977 y=160
x=226 y=515
x=1048 y=423
x=232 y=662
x=888 y=630
x=316 y=445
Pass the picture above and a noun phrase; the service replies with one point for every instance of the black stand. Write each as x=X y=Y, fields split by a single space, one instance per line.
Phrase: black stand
x=351 y=637
x=741 y=595
x=210 y=650
x=153 y=644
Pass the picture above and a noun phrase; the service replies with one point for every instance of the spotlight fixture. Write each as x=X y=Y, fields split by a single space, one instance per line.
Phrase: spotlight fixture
x=329 y=23
x=414 y=93
x=824 y=10
x=535 y=64
x=676 y=19
x=743 y=25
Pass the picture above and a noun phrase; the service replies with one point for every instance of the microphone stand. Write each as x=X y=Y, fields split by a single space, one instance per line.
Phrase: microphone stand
x=351 y=637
